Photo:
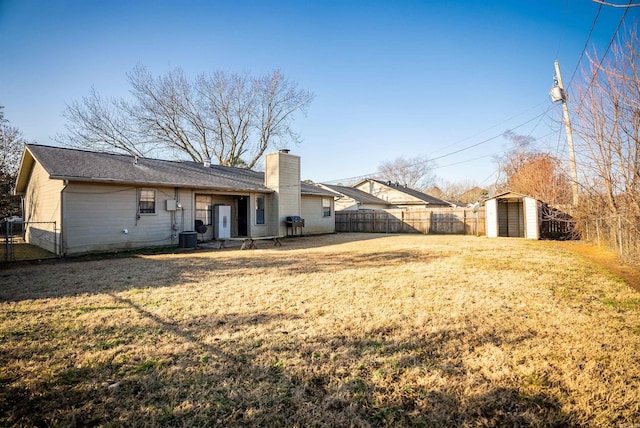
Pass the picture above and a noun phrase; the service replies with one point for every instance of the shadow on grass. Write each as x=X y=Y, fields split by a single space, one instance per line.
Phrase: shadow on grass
x=247 y=381
x=327 y=240
x=106 y=276
x=243 y=369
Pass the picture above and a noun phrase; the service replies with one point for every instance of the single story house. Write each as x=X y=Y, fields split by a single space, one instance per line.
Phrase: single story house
x=400 y=196
x=106 y=202
x=352 y=199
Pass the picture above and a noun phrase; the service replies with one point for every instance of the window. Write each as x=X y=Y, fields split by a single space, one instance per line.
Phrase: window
x=204 y=205
x=147 y=202
x=326 y=207
x=260 y=210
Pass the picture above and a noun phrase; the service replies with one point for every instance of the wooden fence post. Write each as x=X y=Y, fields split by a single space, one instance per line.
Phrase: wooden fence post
x=464 y=221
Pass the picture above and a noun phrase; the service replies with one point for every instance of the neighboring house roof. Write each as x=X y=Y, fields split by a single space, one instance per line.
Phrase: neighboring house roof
x=81 y=165
x=431 y=200
x=310 y=189
x=357 y=195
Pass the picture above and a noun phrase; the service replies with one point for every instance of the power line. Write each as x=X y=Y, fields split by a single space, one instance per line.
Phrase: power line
x=586 y=44
x=488 y=178
x=448 y=146
x=348 y=179
x=491 y=138
x=617 y=5
x=595 y=73
x=490 y=154
x=564 y=23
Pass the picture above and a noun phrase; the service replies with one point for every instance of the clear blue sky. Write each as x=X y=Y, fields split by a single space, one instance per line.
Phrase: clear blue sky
x=402 y=78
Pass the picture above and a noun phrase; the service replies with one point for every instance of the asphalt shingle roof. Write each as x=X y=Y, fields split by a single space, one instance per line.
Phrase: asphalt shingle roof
x=414 y=193
x=81 y=165
x=356 y=194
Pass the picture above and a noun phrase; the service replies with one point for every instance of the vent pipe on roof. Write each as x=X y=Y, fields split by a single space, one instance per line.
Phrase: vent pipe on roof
x=207 y=163
x=135 y=160
x=284 y=150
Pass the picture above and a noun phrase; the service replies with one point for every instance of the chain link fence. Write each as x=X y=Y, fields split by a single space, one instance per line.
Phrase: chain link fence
x=618 y=233
x=27 y=240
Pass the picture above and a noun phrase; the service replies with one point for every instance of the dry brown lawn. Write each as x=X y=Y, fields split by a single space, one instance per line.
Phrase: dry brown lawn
x=339 y=330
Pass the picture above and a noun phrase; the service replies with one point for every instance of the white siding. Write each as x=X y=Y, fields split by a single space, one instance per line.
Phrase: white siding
x=184 y=217
x=42 y=208
x=387 y=193
x=491 y=218
x=349 y=204
x=105 y=218
x=532 y=230
x=345 y=204
x=314 y=222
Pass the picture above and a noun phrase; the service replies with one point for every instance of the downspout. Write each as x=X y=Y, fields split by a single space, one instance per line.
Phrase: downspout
x=62 y=243
x=24 y=218
x=174 y=216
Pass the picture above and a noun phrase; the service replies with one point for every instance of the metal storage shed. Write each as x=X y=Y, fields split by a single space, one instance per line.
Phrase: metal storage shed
x=513 y=215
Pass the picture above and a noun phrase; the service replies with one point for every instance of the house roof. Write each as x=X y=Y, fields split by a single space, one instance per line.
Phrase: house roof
x=356 y=194
x=311 y=189
x=82 y=165
x=431 y=200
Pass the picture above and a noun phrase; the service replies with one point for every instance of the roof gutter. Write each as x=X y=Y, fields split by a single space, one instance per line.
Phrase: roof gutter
x=159 y=184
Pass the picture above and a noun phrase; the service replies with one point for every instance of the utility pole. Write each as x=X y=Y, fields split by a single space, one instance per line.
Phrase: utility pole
x=558 y=94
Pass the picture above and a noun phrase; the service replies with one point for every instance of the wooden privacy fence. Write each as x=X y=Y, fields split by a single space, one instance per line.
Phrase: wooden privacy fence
x=452 y=221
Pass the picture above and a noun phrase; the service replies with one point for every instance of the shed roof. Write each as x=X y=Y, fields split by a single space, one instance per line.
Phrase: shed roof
x=81 y=165
x=510 y=195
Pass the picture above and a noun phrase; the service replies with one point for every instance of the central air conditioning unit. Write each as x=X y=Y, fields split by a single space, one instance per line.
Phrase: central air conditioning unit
x=221 y=221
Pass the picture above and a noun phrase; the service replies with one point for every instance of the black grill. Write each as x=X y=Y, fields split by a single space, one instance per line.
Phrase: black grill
x=294 y=222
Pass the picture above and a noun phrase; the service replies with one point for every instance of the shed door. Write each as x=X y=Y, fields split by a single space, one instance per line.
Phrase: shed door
x=510 y=219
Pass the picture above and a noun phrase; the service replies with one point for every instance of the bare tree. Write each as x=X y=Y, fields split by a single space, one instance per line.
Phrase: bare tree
x=11 y=148
x=229 y=103
x=233 y=118
x=608 y=123
x=416 y=173
x=103 y=124
x=522 y=147
x=464 y=191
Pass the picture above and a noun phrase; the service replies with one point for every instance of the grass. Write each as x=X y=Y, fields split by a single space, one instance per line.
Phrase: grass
x=353 y=329
x=23 y=251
